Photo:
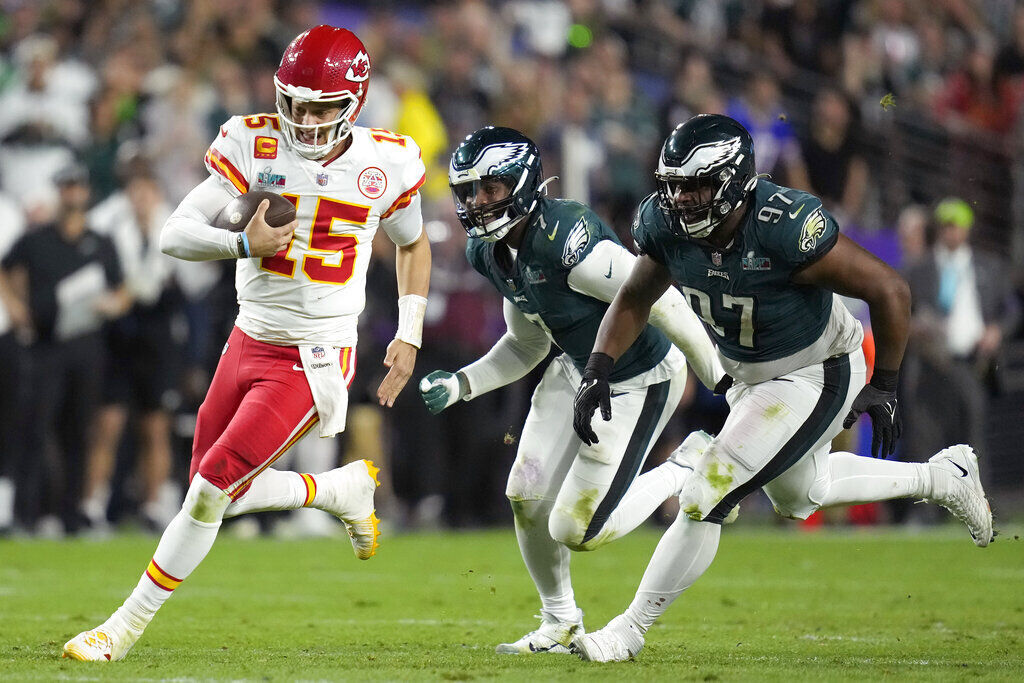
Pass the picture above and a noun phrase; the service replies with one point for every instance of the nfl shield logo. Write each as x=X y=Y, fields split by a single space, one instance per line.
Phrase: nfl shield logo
x=321 y=179
x=318 y=352
x=716 y=258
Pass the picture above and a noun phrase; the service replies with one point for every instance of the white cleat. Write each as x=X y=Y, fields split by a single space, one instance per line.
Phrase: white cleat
x=104 y=643
x=688 y=454
x=552 y=637
x=956 y=486
x=619 y=641
x=347 y=493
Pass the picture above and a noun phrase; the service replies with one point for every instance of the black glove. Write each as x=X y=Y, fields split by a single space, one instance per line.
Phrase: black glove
x=594 y=392
x=723 y=385
x=878 y=399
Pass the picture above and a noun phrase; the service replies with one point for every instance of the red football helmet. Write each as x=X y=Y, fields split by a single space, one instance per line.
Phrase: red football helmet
x=324 y=64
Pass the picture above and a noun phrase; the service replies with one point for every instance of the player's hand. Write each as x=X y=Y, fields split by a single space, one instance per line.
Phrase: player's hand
x=878 y=399
x=400 y=358
x=594 y=393
x=439 y=390
x=265 y=240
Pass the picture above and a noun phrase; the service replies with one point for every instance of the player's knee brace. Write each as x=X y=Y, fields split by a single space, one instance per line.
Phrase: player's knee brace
x=204 y=501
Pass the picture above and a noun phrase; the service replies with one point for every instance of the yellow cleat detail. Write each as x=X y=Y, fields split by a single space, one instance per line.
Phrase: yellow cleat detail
x=372 y=470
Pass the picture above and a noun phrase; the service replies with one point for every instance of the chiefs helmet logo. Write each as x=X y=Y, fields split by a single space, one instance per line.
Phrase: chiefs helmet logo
x=359 y=69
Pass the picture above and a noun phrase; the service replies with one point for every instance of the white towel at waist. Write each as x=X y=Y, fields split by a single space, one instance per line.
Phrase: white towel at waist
x=328 y=381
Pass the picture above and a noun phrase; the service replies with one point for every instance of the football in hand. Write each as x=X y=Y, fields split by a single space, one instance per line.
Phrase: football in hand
x=239 y=211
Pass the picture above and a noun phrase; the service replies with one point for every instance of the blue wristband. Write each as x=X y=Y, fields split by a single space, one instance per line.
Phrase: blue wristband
x=245 y=244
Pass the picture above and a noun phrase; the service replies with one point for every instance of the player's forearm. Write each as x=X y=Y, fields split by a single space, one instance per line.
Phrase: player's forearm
x=889 y=306
x=412 y=264
x=188 y=234
x=510 y=359
x=680 y=324
x=622 y=324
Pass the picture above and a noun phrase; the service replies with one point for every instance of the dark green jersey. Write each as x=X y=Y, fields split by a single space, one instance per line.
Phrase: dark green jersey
x=561 y=233
x=744 y=294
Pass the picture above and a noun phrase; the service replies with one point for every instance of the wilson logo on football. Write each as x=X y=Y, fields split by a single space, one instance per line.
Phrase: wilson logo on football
x=265 y=148
x=359 y=69
x=372 y=182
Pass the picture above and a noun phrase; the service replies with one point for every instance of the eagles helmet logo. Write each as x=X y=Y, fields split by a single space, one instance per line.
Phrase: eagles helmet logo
x=496 y=157
x=705 y=157
x=576 y=241
x=814 y=227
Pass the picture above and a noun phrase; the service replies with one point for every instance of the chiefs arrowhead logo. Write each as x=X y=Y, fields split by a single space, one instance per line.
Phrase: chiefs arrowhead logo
x=359 y=69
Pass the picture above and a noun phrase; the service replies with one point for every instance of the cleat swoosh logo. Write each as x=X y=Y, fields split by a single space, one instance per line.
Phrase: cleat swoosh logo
x=963 y=472
x=541 y=649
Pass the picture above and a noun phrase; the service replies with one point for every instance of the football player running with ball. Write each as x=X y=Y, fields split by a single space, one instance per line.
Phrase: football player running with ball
x=287 y=364
x=557 y=265
x=763 y=266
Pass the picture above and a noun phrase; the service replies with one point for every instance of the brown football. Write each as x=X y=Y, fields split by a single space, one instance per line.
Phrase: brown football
x=239 y=211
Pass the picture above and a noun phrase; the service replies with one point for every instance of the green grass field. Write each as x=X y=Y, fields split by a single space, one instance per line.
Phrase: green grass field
x=777 y=605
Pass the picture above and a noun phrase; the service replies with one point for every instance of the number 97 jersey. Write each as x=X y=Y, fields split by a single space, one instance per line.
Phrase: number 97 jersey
x=313 y=291
x=765 y=325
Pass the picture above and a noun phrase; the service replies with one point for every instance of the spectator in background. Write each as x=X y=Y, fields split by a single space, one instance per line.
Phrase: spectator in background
x=147 y=344
x=64 y=280
x=759 y=109
x=836 y=170
x=974 y=95
x=43 y=118
x=962 y=311
x=625 y=123
x=12 y=367
x=911 y=231
x=693 y=92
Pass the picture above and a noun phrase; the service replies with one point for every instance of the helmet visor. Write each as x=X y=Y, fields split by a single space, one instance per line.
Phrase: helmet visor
x=690 y=202
x=483 y=201
x=316 y=138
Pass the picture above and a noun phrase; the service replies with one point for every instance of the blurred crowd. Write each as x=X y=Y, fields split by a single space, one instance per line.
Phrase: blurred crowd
x=903 y=115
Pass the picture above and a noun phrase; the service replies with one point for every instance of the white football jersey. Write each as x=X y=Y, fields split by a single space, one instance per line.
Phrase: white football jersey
x=313 y=292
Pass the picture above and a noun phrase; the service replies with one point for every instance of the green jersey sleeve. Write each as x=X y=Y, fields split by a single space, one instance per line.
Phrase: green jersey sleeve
x=648 y=222
x=806 y=233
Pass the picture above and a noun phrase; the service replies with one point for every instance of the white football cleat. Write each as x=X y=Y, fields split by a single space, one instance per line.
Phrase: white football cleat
x=105 y=643
x=956 y=486
x=347 y=493
x=617 y=642
x=688 y=454
x=552 y=637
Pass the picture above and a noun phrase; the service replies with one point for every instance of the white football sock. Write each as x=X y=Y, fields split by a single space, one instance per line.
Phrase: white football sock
x=546 y=559
x=684 y=553
x=274 y=490
x=856 y=479
x=183 y=545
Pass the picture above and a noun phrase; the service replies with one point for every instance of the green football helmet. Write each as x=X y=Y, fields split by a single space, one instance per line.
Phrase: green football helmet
x=494 y=155
x=710 y=155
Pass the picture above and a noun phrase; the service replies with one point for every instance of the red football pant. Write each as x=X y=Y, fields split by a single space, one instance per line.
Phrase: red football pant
x=259 y=404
